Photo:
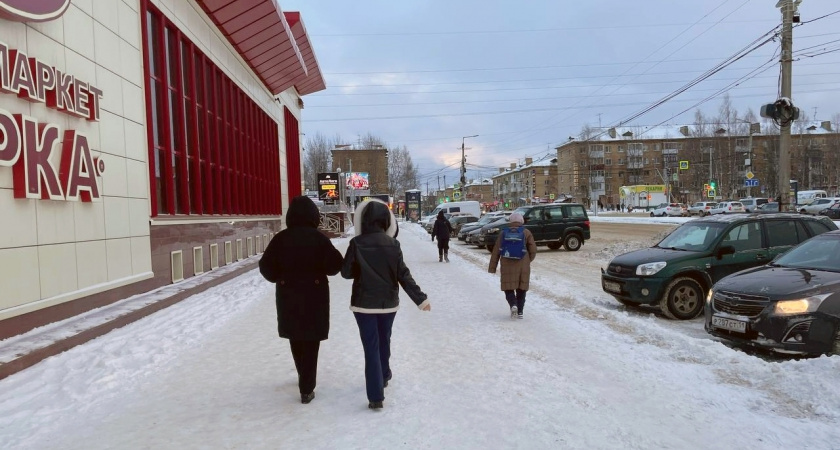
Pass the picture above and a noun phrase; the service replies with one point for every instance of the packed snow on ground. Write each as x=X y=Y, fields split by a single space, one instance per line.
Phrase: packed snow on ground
x=577 y=372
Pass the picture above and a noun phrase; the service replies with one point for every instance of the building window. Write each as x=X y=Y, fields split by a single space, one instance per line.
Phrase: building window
x=607 y=149
x=620 y=161
x=211 y=147
x=608 y=161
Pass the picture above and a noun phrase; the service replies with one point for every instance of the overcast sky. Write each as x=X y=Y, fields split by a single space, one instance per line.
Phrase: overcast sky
x=525 y=76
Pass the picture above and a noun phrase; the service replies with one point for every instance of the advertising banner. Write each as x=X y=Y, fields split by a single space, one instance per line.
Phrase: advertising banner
x=412 y=208
x=328 y=184
x=358 y=183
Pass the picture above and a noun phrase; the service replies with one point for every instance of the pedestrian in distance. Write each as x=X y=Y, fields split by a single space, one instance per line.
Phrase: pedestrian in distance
x=442 y=230
x=515 y=249
x=374 y=261
x=298 y=261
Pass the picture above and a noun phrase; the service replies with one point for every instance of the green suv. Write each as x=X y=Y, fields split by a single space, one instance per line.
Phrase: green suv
x=676 y=273
x=552 y=225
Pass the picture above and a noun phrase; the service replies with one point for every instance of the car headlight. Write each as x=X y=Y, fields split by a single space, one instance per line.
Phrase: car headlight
x=800 y=306
x=492 y=230
x=710 y=296
x=650 y=268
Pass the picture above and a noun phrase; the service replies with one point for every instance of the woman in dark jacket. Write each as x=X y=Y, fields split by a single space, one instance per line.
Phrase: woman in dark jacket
x=442 y=230
x=298 y=259
x=374 y=261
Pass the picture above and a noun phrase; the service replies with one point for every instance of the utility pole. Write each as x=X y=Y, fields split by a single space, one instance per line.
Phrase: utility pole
x=788 y=8
x=464 y=160
x=352 y=187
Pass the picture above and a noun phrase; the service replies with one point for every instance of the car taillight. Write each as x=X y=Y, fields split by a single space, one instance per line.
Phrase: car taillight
x=730 y=208
x=586 y=223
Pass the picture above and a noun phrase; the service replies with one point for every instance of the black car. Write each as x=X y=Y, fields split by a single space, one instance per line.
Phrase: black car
x=767 y=207
x=484 y=220
x=676 y=273
x=553 y=225
x=791 y=305
x=832 y=211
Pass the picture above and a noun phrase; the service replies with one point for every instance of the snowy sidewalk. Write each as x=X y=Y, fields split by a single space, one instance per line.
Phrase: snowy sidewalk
x=210 y=372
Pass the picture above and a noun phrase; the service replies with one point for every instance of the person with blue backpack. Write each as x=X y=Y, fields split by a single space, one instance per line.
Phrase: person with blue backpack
x=515 y=249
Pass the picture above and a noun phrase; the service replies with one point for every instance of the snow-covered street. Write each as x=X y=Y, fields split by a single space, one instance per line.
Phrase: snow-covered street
x=579 y=371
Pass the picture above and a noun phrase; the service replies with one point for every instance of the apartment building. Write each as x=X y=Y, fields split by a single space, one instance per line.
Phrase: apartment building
x=593 y=168
x=532 y=182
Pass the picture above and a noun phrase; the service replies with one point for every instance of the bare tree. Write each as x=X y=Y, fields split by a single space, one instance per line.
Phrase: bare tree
x=317 y=158
x=402 y=173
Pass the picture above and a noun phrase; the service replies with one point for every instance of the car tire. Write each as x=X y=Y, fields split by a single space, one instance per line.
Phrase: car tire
x=835 y=349
x=683 y=299
x=652 y=214
x=572 y=242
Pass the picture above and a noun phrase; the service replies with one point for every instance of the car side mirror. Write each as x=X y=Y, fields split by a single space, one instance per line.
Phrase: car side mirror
x=725 y=250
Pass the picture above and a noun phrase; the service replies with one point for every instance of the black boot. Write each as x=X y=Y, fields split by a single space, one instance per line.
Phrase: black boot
x=306 y=398
x=375 y=405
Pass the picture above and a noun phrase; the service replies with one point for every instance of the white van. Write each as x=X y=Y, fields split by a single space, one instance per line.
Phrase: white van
x=470 y=207
x=806 y=197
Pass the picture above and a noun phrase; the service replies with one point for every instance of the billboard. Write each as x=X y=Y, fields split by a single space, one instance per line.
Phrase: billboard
x=412 y=205
x=328 y=184
x=358 y=183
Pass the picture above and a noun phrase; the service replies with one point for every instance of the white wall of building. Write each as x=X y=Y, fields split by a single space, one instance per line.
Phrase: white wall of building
x=56 y=251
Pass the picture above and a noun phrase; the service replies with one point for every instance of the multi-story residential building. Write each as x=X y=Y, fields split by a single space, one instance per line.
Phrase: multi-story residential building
x=480 y=190
x=533 y=182
x=593 y=169
x=374 y=162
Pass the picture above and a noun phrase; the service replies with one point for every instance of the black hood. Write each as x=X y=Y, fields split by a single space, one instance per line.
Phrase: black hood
x=375 y=218
x=780 y=282
x=302 y=213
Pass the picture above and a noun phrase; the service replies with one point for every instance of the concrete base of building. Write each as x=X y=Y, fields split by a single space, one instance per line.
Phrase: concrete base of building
x=23 y=351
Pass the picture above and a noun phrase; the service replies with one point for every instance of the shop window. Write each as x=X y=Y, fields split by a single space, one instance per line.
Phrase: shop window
x=211 y=146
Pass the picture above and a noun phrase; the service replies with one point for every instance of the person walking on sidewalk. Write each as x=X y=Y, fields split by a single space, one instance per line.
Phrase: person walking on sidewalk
x=515 y=248
x=442 y=230
x=374 y=261
x=298 y=260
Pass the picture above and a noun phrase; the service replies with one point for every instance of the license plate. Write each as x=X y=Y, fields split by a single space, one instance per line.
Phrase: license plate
x=612 y=286
x=729 y=324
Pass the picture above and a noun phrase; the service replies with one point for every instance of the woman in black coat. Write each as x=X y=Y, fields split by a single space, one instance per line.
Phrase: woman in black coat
x=298 y=259
x=374 y=261
x=442 y=230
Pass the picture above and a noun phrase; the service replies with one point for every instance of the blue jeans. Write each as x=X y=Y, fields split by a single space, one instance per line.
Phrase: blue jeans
x=516 y=299
x=375 y=331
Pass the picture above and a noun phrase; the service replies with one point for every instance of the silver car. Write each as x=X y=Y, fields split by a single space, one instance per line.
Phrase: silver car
x=701 y=208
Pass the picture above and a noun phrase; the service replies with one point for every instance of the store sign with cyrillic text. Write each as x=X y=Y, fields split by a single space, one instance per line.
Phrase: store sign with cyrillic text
x=27 y=145
x=32 y=10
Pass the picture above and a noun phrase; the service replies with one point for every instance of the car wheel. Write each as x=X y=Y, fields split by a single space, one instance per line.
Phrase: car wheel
x=652 y=214
x=554 y=245
x=835 y=349
x=683 y=299
x=572 y=242
x=803 y=211
x=628 y=303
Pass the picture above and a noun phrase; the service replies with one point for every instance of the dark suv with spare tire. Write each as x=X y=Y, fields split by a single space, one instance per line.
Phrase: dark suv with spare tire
x=676 y=273
x=553 y=225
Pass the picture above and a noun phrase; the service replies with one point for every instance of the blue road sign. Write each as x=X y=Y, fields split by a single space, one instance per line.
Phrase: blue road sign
x=751 y=183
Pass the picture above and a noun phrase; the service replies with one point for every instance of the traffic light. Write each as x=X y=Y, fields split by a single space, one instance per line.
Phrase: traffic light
x=713 y=184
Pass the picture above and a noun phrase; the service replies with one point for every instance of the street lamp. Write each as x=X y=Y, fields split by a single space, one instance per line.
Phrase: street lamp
x=464 y=160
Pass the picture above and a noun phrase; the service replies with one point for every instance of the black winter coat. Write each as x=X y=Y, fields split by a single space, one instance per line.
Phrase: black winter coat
x=298 y=259
x=442 y=230
x=374 y=261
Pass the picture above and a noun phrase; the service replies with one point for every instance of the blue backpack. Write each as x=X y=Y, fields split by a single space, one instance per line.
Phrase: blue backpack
x=513 y=243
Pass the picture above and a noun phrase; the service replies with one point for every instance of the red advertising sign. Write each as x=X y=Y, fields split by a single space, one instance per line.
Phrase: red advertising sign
x=27 y=145
x=32 y=10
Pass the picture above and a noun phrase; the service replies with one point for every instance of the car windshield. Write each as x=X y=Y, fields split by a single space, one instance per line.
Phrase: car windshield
x=693 y=236
x=819 y=253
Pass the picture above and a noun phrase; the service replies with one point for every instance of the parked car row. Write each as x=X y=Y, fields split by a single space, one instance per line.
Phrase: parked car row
x=747 y=274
